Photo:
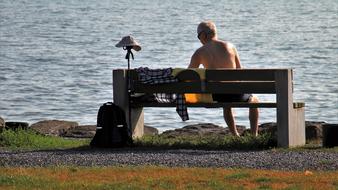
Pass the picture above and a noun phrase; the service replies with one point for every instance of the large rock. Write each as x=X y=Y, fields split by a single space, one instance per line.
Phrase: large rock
x=202 y=129
x=88 y=131
x=81 y=131
x=53 y=127
x=150 y=130
x=314 y=130
x=2 y=124
x=330 y=135
x=16 y=125
x=270 y=127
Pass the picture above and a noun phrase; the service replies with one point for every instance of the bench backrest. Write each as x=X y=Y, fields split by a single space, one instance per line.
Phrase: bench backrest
x=259 y=81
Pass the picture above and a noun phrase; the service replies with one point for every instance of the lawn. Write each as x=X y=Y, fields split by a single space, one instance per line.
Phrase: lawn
x=30 y=140
x=156 y=177
x=151 y=177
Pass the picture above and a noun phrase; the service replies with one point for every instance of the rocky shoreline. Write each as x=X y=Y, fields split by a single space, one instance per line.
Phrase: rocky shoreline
x=71 y=129
x=263 y=159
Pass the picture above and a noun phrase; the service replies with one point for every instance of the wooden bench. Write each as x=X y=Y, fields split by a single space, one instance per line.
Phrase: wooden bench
x=290 y=115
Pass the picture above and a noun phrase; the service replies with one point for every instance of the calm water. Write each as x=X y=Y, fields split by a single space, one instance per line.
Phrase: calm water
x=56 y=57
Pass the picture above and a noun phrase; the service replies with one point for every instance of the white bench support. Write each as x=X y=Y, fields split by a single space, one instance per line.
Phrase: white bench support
x=120 y=95
x=290 y=120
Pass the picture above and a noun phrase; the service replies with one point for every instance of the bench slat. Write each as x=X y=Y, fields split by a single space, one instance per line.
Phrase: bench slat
x=188 y=75
x=178 y=87
x=209 y=105
x=210 y=87
x=240 y=87
x=238 y=74
x=218 y=104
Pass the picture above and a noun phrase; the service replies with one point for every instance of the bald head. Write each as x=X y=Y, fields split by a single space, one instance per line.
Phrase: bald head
x=208 y=27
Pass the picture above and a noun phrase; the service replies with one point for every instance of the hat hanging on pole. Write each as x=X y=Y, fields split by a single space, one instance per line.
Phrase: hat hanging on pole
x=128 y=43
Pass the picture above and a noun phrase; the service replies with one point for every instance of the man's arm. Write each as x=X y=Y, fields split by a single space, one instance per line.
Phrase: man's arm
x=195 y=60
x=238 y=62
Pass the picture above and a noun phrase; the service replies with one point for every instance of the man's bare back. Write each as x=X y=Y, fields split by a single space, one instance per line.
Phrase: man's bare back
x=216 y=54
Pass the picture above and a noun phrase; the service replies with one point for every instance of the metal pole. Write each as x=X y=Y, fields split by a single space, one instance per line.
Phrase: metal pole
x=129 y=89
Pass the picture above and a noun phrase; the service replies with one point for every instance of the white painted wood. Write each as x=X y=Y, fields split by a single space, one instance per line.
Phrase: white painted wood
x=290 y=121
x=284 y=106
x=120 y=95
x=297 y=129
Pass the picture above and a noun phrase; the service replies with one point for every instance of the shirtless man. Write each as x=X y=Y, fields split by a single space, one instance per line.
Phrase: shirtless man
x=219 y=54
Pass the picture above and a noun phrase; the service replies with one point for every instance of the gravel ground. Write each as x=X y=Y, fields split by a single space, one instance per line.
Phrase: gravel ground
x=266 y=159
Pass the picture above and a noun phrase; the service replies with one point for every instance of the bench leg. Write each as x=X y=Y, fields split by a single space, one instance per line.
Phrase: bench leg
x=291 y=131
x=297 y=128
x=137 y=122
x=120 y=93
x=290 y=120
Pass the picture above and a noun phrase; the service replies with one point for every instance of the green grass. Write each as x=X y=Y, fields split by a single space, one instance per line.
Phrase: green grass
x=30 y=140
x=237 y=176
x=263 y=180
x=248 y=142
x=24 y=182
x=156 y=177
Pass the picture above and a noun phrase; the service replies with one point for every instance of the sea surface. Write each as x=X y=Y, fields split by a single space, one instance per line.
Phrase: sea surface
x=57 y=56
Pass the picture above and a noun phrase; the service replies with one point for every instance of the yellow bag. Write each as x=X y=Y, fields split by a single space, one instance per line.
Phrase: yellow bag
x=198 y=98
x=195 y=98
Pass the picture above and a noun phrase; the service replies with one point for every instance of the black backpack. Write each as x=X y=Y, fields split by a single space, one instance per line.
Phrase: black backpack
x=111 y=127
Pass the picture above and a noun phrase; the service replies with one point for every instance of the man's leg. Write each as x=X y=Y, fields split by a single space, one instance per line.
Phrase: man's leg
x=253 y=116
x=230 y=121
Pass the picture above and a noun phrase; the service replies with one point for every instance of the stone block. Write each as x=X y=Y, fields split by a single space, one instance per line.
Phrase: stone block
x=81 y=131
x=330 y=135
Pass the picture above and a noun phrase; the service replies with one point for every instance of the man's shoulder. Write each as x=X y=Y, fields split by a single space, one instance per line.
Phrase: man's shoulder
x=197 y=56
x=200 y=51
x=227 y=44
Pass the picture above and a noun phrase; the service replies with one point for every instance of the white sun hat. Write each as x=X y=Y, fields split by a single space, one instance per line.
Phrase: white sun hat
x=129 y=41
